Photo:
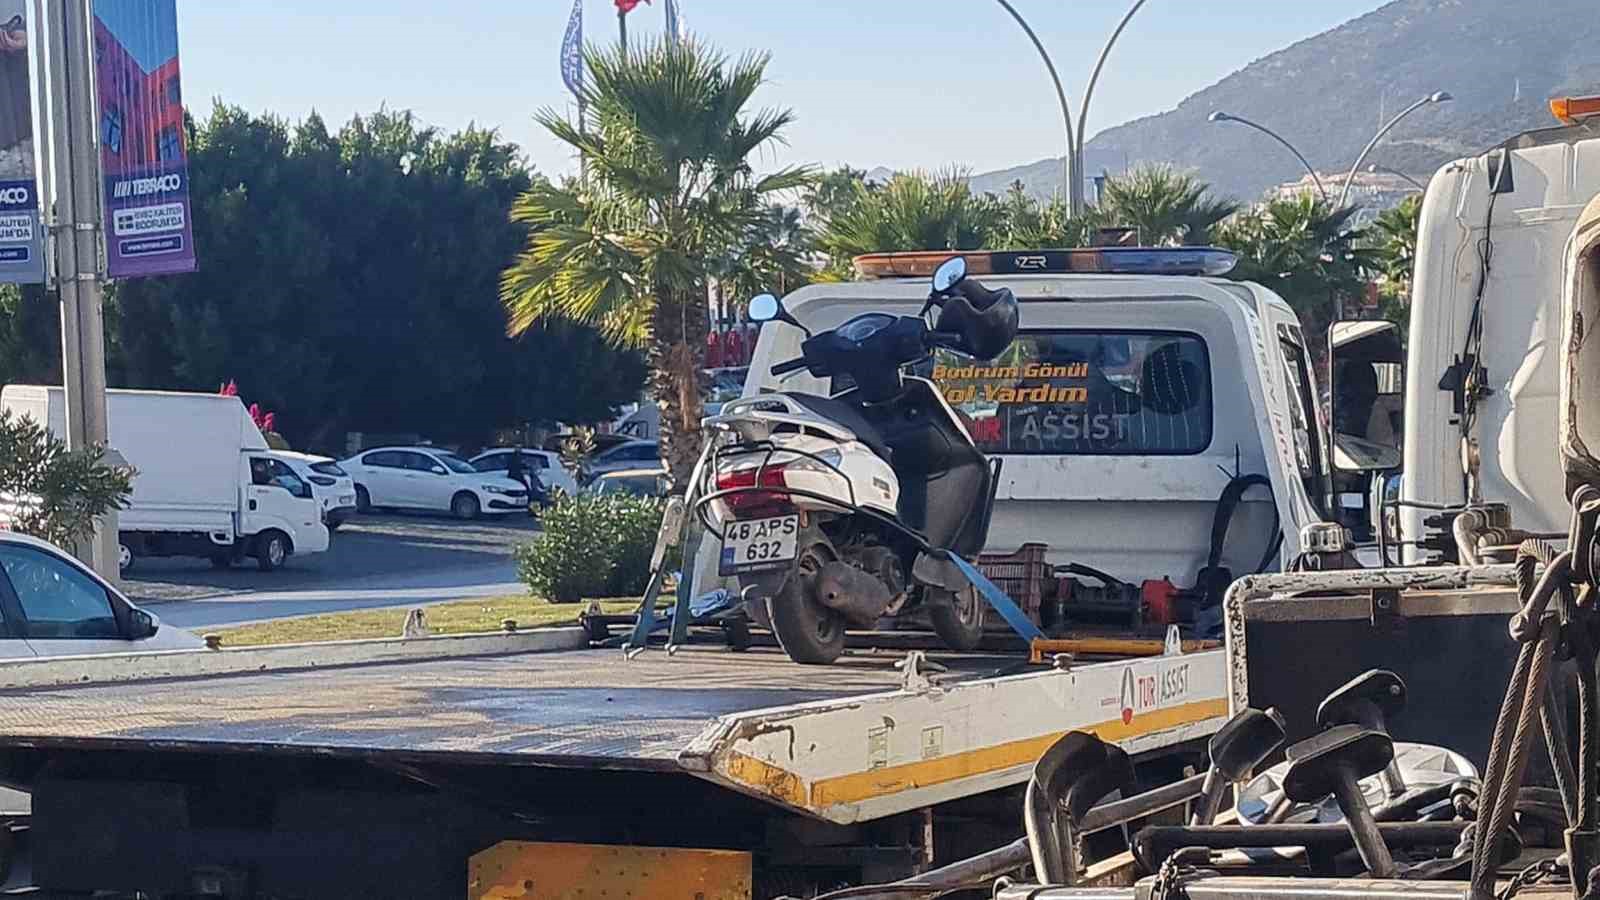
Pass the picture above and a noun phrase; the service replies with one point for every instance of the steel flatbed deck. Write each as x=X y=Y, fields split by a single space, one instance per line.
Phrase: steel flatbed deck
x=438 y=767
x=577 y=708
x=850 y=742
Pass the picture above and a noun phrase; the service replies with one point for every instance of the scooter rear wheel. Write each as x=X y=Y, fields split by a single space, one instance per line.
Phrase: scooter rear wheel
x=958 y=620
x=809 y=632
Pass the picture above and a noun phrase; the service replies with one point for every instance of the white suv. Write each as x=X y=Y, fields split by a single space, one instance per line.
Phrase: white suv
x=432 y=479
x=333 y=487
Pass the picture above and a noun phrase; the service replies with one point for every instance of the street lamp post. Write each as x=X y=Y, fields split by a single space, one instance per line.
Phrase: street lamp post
x=1070 y=174
x=1072 y=165
x=1315 y=179
x=1350 y=180
x=1088 y=94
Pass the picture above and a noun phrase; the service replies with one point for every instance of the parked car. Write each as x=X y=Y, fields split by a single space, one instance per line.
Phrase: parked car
x=432 y=479
x=53 y=605
x=543 y=462
x=630 y=455
x=333 y=487
x=639 y=482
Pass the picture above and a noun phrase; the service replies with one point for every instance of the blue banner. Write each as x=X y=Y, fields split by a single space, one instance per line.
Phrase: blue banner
x=21 y=233
x=149 y=229
x=674 y=21
x=572 y=50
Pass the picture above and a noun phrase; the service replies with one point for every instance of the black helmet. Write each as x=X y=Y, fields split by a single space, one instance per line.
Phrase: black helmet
x=985 y=319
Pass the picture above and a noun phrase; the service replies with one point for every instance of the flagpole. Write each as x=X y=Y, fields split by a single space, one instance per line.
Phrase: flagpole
x=622 y=29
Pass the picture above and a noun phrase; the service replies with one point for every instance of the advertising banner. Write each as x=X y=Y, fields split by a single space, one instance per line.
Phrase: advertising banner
x=149 y=229
x=21 y=234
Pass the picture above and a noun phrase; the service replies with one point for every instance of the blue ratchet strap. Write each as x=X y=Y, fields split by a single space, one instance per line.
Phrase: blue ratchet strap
x=1004 y=605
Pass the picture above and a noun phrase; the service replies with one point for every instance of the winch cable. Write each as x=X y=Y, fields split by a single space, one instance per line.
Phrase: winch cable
x=1530 y=555
x=1539 y=636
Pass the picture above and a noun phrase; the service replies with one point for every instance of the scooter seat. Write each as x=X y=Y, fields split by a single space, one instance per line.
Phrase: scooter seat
x=849 y=415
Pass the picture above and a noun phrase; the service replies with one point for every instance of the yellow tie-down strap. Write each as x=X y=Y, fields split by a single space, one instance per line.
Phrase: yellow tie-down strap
x=532 y=870
x=856 y=787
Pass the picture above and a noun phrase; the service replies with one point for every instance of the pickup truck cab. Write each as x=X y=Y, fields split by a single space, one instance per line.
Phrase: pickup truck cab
x=1151 y=426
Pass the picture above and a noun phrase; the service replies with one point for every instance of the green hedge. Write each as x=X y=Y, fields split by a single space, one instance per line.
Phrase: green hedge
x=592 y=546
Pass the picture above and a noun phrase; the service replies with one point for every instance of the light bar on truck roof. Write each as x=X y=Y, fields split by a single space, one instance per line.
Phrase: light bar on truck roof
x=1095 y=261
x=1572 y=110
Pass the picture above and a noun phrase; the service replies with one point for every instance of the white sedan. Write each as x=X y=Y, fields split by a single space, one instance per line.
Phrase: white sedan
x=52 y=605
x=432 y=479
x=331 y=485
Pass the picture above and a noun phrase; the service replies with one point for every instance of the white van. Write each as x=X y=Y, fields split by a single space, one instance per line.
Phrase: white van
x=206 y=485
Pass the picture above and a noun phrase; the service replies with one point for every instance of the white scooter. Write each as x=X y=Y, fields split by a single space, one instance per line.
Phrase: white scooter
x=836 y=511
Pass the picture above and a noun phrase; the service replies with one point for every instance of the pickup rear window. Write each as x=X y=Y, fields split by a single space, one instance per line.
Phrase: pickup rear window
x=1081 y=392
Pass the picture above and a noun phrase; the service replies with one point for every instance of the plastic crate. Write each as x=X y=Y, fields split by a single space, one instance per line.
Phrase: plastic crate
x=1025 y=575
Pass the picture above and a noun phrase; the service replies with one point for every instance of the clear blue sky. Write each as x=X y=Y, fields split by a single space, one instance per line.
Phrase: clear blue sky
x=898 y=83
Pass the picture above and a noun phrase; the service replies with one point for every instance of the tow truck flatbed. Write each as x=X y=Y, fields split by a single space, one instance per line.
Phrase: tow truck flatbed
x=706 y=749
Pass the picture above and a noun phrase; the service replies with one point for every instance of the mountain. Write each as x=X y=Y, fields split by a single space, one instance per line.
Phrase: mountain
x=1330 y=93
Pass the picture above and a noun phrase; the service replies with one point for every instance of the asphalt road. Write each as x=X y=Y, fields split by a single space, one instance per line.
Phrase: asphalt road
x=374 y=561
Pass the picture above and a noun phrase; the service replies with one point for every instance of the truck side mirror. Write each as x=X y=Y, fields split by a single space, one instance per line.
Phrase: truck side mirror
x=1366 y=362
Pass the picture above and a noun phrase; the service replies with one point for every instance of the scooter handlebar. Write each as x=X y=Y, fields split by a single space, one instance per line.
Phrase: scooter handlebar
x=793 y=365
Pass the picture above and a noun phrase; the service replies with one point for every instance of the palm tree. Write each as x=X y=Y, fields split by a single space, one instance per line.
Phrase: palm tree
x=1167 y=207
x=669 y=185
x=774 y=254
x=1029 y=224
x=1394 y=235
x=913 y=211
x=1303 y=250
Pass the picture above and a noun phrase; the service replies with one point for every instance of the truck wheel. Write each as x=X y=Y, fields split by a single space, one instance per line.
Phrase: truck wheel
x=272 y=549
x=363 y=501
x=958 y=619
x=806 y=630
x=465 y=506
x=125 y=558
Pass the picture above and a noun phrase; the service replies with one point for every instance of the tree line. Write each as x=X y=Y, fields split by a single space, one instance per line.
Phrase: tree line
x=349 y=281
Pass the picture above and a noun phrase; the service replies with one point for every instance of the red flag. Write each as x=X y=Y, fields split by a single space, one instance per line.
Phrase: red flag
x=626 y=6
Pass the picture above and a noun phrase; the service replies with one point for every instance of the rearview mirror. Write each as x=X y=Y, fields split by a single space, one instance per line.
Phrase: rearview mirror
x=439 y=470
x=768 y=308
x=764 y=308
x=1367 y=366
x=949 y=274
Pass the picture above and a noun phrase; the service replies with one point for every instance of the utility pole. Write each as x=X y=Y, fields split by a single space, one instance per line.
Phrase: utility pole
x=75 y=163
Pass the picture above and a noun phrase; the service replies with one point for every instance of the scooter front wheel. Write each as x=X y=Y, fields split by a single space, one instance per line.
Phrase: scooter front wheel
x=809 y=632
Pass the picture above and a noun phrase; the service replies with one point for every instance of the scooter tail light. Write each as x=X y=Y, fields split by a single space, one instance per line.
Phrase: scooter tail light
x=747 y=502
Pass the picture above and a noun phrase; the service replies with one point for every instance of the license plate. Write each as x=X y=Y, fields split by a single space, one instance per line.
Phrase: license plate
x=752 y=545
